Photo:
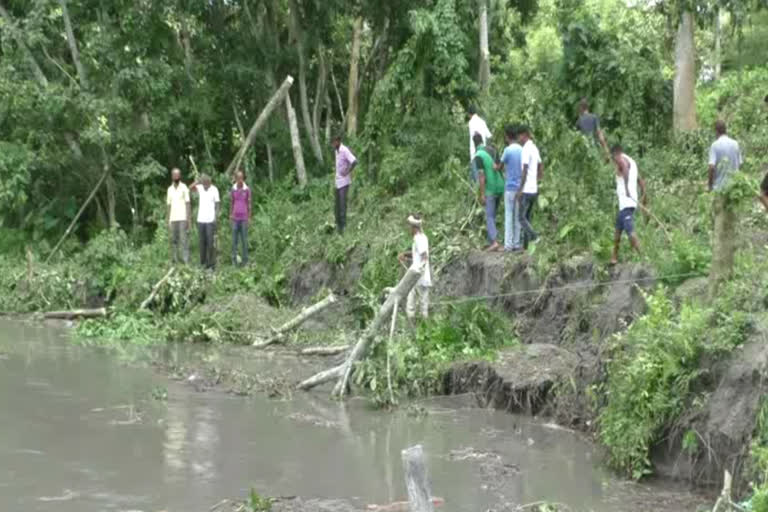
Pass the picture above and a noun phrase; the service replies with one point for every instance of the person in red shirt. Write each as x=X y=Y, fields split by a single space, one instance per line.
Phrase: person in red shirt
x=240 y=214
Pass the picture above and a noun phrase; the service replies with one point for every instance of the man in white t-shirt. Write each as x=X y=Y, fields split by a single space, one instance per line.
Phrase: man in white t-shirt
x=419 y=256
x=627 y=181
x=476 y=126
x=207 y=213
x=529 y=189
x=178 y=218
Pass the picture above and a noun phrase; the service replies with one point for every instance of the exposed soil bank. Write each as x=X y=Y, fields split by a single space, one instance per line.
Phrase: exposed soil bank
x=564 y=329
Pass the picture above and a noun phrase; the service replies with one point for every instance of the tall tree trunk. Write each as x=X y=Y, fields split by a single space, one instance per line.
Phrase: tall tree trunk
x=328 y=117
x=354 y=69
x=298 y=155
x=317 y=107
x=73 y=45
x=718 y=43
x=685 y=75
x=485 y=55
x=39 y=75
x=303 y=99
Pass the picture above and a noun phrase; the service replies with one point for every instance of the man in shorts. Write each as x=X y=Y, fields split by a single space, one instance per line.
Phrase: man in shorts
x=627 y=181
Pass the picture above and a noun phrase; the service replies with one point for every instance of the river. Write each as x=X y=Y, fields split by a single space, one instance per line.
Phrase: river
x=81 y=430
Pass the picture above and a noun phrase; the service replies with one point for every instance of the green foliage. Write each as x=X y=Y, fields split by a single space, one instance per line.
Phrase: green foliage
x=258 y=503
x=419 y=356
x=653 y=372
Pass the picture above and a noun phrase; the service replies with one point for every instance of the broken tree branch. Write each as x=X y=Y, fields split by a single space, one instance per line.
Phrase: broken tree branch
x=156 y=288
x=298 y=154
x=324 y=351
x=296 y=321
x=76 y=313
x=400 y=292
x=415 y=467
x=276 y=99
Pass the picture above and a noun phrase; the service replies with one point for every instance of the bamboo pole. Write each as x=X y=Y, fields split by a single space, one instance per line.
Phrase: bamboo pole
x=296 y=321
x=276 y=99
x=79 y=213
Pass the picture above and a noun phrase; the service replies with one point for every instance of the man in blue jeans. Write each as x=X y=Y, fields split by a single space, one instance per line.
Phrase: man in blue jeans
x=512 y=158
x=529 y=188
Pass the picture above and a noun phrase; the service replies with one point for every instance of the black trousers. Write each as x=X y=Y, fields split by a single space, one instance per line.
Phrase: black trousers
x=341 y=208
x=206 y=233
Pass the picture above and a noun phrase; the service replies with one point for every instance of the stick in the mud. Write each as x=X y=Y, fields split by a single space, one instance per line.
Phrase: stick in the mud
x=77 y=216
x=401 y=291
x=324 y=351
x=302 y=317
x=419 y=496
x=276 y=99
x=156 y=288
x=76 y=313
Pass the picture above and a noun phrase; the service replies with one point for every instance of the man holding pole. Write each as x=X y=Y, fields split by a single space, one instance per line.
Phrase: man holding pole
x=178 y=216
x=345 y=164
x=627 y=180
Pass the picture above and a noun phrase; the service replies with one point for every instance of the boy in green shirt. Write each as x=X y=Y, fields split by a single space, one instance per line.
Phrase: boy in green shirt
x=491 y=190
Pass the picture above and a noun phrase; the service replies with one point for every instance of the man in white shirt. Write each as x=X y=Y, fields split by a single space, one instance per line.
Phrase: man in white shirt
x=207 y=213
x=627 y=181
x=476 y=125
x=529 y=188
x=179 y=214
x=419 y=256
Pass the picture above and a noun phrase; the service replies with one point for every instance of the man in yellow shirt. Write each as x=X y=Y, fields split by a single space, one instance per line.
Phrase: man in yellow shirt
x=179 y=213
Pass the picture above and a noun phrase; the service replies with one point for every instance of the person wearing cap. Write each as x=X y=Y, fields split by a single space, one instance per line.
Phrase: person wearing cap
x=419 y=257
x=476 y=126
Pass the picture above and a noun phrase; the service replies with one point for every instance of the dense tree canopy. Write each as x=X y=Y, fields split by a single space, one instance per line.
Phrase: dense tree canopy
x=129 y=89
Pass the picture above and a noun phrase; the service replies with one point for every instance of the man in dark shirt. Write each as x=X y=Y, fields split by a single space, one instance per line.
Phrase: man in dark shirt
x=589 y=125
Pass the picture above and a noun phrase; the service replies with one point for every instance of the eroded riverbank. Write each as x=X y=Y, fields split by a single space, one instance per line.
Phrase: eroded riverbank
x=84 y=431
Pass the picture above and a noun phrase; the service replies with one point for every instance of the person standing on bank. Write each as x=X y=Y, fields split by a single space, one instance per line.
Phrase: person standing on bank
x=345 y=164
x=511 y=159
x=724 y=160
x=533 y=170
x=627 y=180
x=491 y=186
x=476 y=126
x=239 y=215
x=589 y=125
x=178 y=218
x=419 y=257
x=207 y=213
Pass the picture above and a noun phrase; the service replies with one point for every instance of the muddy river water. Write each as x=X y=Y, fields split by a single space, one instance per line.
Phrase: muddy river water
x=82 y=431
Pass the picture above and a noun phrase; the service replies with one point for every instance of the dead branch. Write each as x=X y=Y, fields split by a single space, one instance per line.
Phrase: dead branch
x=76 y=313
x=324 y=351
x=276 y=99
x=156 y=288
x=296 y=321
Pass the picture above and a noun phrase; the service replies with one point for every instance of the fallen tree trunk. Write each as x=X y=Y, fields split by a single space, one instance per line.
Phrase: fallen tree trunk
x=156 y=288
x=76 y=313
x=324 y=351
x=343 y=371
x=302 y=317
x=276 y=99
x=415 y=467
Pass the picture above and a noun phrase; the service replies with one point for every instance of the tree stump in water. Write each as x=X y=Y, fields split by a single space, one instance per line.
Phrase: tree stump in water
x=419 y=496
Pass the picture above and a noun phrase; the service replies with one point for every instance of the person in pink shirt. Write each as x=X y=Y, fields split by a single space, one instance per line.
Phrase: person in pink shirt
x=345 y=164
x=240 y=214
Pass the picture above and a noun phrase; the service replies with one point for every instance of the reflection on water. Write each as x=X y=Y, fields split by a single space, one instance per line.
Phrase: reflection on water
x=79 y=432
